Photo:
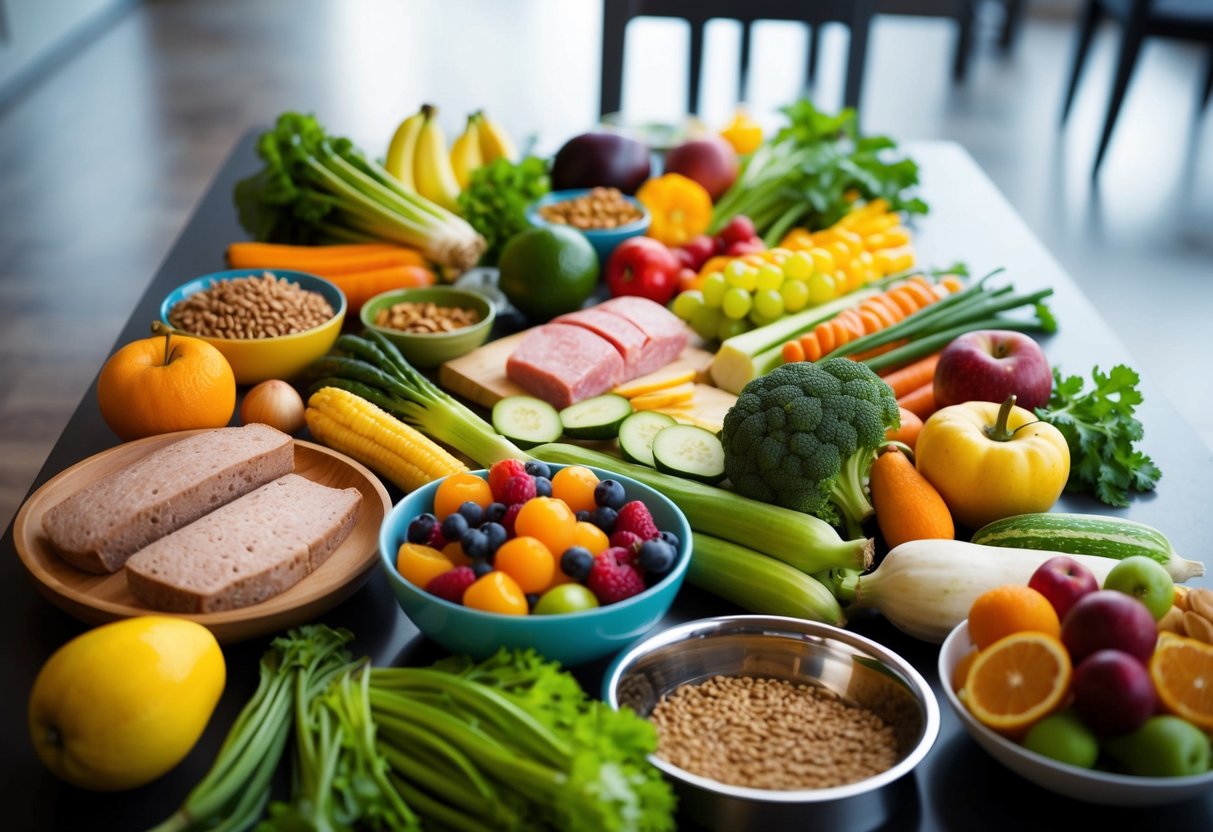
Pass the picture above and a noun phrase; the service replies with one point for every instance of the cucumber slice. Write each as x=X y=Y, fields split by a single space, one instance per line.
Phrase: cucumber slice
x=595 y=418
x=688 y=451
x=636 y=435
x=526 y=421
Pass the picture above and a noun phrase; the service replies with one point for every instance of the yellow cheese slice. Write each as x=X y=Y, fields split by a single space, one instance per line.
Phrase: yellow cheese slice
x=671 y=375
x=680 y=394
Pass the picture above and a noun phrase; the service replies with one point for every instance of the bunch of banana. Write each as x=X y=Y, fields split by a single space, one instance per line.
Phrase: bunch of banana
x=417 y=154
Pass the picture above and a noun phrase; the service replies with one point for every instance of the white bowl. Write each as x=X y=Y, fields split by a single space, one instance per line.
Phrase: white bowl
x=1092 y=786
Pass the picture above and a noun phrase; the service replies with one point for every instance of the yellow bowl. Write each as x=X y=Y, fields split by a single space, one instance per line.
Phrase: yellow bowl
x=254 y=360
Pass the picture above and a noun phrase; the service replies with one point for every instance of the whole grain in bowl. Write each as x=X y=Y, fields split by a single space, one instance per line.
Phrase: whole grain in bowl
x=598 y=209
x=425 y=317
x=771 y=734
x=250 y=307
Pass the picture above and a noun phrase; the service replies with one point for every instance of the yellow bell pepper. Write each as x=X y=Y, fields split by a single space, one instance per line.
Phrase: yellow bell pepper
x=680 y=208
x=743 y=133
x=990 y=461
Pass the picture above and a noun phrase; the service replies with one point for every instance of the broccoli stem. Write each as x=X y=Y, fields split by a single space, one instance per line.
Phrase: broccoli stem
x=848 y=493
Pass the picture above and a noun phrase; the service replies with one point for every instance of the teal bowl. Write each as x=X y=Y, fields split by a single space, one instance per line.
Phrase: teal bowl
x=604 y=240
x=429 y=349
x=255 y=360
x=569 y=638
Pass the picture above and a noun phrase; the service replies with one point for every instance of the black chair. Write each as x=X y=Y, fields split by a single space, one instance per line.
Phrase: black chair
x=1185 y=19
x=616 y=14
x=964 y=12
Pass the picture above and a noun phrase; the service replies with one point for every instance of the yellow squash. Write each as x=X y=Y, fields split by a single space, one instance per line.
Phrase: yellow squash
x=120 y=705
x=990 y=461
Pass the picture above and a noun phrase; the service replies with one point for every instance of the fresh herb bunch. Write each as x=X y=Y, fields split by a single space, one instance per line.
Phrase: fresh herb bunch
x=496 y=200
x=1102 y=432
x=811 y=172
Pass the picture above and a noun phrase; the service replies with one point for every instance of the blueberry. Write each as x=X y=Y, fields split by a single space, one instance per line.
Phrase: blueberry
x=672 y=539
x=576 y=562
x=495 y=512
x=532 y=598
x=604 y=517
x=454 y=527
x=475 y=544
x=480 y=568
x=543 y=487
x=538 y=469
x=421 y=528
x=472 y=512
x=495 y=534
x=609 y=493
x=656 y=556
x=583 y=516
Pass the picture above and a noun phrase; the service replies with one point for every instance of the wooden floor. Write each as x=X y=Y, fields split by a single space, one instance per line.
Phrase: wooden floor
x=101 y=161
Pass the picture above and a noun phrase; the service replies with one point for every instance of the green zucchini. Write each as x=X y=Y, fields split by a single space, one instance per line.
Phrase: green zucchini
x=637 y=432
x=1087 y=534
x=598 y=417
x=688 y=451
x=526 y=421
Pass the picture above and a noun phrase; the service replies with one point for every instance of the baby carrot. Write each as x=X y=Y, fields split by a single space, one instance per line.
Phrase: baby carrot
x=912 y=376
x=920 y=402
x=792 y=351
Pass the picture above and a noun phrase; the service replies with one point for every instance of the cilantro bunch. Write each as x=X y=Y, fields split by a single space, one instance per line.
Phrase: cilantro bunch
x=495 y=202
x=1102 y=432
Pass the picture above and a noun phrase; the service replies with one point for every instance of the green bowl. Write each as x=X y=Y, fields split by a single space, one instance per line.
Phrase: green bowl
x=424 y=349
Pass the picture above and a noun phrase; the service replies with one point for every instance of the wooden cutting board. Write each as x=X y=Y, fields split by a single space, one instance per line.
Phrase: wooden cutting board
x=480 y=377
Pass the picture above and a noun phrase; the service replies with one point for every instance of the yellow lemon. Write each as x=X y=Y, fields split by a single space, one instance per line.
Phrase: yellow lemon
x=120 y=705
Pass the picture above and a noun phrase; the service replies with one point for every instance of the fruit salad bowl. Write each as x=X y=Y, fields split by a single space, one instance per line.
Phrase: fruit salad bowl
x=1091 y=785
x=570 y=638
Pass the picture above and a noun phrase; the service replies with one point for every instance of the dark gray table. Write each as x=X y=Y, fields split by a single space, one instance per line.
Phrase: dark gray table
x=957 y=787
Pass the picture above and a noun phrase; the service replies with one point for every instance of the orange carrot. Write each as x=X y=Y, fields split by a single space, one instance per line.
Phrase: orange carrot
x=321 y=260
x=792 y=351
x=920 y=402
x=911 y=426
x=907 y=506
x=871 y=321
x=359 y=287
x=952 y=283
x=842 y=335
x=907 y=302
x=912 y=376
x=881 y=350
x=850 y=319
x=825 y=337
x=811 y=346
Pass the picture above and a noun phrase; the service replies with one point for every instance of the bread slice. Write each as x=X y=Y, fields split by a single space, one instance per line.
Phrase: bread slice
x=98 y=528
x=247 y=551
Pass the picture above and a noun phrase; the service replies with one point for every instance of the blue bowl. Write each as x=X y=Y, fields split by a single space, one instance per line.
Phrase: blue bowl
x=569 y=638
x=604 y=240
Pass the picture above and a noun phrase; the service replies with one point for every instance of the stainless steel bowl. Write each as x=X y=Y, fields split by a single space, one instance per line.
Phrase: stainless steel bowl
x=859 y=669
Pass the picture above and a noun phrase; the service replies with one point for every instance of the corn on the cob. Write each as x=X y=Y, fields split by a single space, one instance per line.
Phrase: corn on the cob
x=354 y=426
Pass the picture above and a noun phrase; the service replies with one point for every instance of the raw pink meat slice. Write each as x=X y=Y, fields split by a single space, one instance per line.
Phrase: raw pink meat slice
x=667 y=336
x=563 y=364
x=624 y=335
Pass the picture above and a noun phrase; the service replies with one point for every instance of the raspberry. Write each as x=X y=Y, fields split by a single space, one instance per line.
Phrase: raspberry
x=517 y=490
x=625 y=540
x=436 y=541
x=611 y=581
x=502 y=471
x=629 y=556
x=451 y=584
x=508 y=519
x=634 y=517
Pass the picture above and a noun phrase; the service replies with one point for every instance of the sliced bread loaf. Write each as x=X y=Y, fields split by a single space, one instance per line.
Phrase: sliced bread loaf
x=247 y=551
x=98 y=528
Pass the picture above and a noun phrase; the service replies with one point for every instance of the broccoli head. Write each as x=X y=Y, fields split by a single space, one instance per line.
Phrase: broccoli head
x=804 y=437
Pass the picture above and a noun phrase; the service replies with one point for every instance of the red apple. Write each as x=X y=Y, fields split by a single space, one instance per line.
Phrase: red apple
x=1063 y=581
x=710 y=161
x=737 y=230
x=991 y=364
x=700 y=248
x=1113 y=692
x=1109 y=620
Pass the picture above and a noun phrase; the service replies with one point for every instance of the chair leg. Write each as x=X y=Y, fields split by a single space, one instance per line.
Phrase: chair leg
x=1086 y=29
x=1011 y=23
x=1130 y=46
x=696 y=66
x=814 y=52
x=744 y=78
x=964 y=40
x=857 y=51
x=615 y=16
x=1204 y=96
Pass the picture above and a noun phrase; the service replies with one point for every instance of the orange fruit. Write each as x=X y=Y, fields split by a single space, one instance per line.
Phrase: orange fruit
x=591 y=537
x=1011 y=608
x=1017 y=681
x=527 y=561
x=496 y=592
x=163 y=384
x=575 y=485
x=420 y=564
x=960 y=673
x=458 y=489
x=548 y=519
x=1182 y=670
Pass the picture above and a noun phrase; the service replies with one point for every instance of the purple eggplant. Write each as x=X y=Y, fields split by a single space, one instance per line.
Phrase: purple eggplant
x=606 y=160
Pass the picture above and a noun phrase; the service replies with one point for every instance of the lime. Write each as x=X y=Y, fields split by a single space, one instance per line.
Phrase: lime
x=546 y=272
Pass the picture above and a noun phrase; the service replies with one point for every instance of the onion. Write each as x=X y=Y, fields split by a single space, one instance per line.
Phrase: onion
x=274 y=403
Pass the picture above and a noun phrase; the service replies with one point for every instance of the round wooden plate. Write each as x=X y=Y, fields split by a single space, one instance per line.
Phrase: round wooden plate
x=97 y=599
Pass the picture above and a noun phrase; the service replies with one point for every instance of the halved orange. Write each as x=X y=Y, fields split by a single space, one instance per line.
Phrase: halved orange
x=1018 y=680
x=1182 y=670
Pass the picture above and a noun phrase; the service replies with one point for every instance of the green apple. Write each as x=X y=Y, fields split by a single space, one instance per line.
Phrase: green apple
x=1165 y=746
x=1146 y=580
x=1063 y=737
x=565 y=598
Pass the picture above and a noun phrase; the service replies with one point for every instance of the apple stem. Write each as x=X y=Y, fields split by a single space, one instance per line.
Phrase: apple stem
x=998 y=431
